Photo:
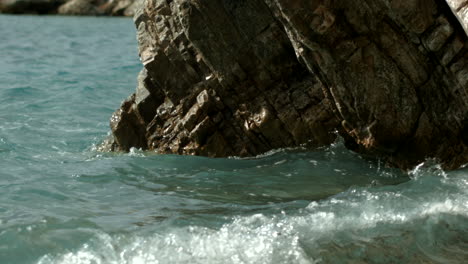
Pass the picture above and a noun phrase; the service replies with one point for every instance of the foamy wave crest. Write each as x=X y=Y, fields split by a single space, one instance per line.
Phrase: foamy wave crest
x=358 y=224
x=254 y=239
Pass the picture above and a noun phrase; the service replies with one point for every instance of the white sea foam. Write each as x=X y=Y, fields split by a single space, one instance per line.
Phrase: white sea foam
x=281 y=238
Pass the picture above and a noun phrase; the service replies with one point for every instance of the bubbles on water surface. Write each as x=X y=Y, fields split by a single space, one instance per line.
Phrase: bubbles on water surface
x=412 y=222
x=429 y=167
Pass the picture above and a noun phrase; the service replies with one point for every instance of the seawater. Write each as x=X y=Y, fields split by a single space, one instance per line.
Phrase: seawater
x=61 y=201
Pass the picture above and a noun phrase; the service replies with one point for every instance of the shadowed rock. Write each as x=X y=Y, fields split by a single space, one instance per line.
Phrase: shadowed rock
x=242 y=77
x=71 y=7
x=30 y=6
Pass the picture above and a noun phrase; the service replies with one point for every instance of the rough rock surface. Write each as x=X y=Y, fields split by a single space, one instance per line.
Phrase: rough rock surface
x=225 y=77
x=396 y=71
x=460 y=9
x=71 y=7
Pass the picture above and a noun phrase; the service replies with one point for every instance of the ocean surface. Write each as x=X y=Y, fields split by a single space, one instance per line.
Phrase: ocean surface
x=61 y=201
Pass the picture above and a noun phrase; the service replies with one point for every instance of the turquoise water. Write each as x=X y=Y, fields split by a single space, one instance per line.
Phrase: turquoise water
x=61 y=201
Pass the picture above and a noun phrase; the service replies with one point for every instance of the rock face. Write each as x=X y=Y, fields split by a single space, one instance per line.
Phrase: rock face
x=224 y=77
x=396 y=72
x=71 y=7
x=220 y=82
x=460 y=9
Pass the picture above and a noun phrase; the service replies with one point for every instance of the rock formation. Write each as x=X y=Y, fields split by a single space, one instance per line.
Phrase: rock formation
x=71 y=7
x=29 y=6
x=225 y=77
x=460 y=9
x=79 y=8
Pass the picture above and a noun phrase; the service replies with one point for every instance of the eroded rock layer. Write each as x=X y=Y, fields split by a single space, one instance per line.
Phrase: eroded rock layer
x=225 y=77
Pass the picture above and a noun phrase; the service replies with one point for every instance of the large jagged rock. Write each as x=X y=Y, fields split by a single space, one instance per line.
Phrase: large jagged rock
x=220 y=82
x=225 y=77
